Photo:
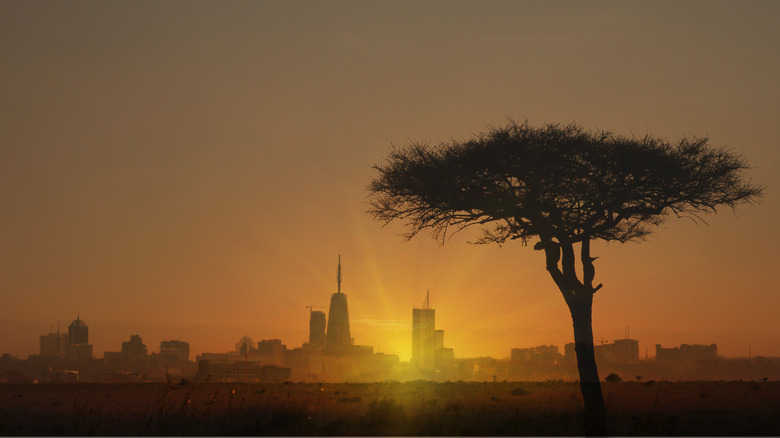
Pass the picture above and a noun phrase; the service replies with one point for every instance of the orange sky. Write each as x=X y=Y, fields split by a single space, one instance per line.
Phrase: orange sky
x=193 y=169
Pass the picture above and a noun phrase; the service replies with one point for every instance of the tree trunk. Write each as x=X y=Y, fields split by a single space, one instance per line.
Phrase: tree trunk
x=595 y=413
x=579 y=298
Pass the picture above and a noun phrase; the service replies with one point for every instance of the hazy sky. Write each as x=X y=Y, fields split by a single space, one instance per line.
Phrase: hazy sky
x=192 y=170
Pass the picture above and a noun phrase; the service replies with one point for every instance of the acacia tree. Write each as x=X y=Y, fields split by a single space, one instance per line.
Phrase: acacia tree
x=562 y=186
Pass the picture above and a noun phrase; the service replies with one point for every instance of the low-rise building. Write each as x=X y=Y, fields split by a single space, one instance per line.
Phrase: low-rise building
x=686 y=353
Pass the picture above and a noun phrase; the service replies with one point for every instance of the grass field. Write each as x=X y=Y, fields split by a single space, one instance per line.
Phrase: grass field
x=386 y=408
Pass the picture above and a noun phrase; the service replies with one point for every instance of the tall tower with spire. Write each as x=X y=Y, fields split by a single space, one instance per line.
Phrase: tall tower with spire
x=337 y=336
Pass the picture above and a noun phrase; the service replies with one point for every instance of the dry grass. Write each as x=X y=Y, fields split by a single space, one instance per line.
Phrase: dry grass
x=386 y=408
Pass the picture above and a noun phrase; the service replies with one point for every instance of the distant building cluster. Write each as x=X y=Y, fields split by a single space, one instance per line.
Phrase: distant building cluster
x=63 y=353
x=73 y=346
x=686 y=354
x=541 y=356
x=620 y=351
x=174 y=355
x=330 y=354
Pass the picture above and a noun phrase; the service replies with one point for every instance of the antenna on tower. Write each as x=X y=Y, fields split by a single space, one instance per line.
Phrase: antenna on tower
x=338 y=275
x=427 y=303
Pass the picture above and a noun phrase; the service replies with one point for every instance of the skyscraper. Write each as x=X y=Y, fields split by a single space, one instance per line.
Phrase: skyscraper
x=317 y=327
x=424 y=336
x=79 y=348
x=54 y=344
x=78 y=332
x=338 y=337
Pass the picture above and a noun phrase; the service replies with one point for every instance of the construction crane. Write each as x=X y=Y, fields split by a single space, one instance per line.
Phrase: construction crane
x=314 y=307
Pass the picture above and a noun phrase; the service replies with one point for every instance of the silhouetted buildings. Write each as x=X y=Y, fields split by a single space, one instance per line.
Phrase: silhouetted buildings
x=424 y=336
x=53 y=345
x=135 y=347
x=73 y=346
x=543 y=355
x=271 y=352
x=428 y=352
x=78 y=332
x=620 y=351
x=245 y=345
x=250 y=362
x=329 y=355
x=686 y=354
x=175 y=353
x=132 y=356
x=230 y=367
x=317 y=325
x=79 y=349
x=623 y=351
x=306 y=363
x=338 y=338
x=67 y=357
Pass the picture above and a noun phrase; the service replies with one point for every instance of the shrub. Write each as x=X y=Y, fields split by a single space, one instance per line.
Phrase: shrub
x=519 y=391
x=612 y=377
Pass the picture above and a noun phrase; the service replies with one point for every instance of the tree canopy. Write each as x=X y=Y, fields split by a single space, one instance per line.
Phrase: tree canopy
x=566 y=186
x=560 y=183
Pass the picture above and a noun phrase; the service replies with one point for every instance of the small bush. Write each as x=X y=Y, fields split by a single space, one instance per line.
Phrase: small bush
x=519 y=391
x=612 y=377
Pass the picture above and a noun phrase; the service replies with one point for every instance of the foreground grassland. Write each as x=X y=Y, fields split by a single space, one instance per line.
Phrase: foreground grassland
x=387 y=408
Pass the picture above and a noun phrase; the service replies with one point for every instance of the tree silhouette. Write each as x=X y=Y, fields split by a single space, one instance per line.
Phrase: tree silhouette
x=564 y=186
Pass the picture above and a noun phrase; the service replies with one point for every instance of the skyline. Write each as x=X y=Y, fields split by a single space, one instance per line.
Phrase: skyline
x=195 y=169
x=417 y=312
x=425 y=307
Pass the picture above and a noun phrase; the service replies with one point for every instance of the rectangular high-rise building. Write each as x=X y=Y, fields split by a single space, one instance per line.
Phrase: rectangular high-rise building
x=317 y=325
x=423 y=338
x=54 y=344
x=438 y=339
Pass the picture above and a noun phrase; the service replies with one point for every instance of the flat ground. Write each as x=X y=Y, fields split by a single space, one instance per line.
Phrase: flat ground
x=388 y=408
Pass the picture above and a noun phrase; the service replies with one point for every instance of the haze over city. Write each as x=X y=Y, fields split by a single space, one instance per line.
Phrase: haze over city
x=192 y=170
